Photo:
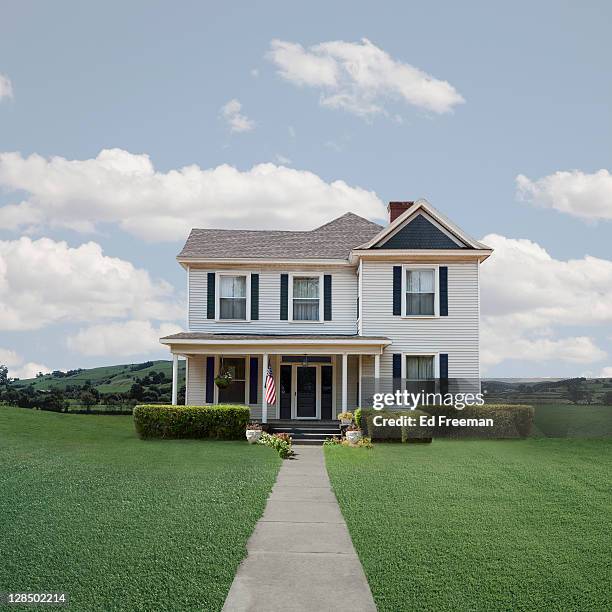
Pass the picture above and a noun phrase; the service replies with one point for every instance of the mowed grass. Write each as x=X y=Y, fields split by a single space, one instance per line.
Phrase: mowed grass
x=480 y=525
x=123 y=524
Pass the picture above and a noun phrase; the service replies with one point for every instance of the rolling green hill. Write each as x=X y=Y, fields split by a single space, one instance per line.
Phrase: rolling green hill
x=106 y=379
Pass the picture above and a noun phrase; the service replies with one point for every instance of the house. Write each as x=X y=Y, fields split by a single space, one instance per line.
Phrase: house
x=336 y=312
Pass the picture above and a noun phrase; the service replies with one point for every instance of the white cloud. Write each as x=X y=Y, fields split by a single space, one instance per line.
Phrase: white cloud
x=6 y=87
x=577 y=193
x=122 y=188
x=28 y=370
x=528 y=296
x=281 y=159
x=121 y=339
x=605 y=372
x=44 y=282
x=360 y=77
x=9 y=357
x=236 y=121
x=16 y=366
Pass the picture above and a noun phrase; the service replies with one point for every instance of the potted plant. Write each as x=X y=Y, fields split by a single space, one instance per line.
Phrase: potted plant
x=353 y=434
x=346 y=418
x=223 y=380
x=253 y=433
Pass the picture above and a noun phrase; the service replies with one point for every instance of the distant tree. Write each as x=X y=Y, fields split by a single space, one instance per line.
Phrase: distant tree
x=576 y=390
x=4 y=379
x=181 y=395
x=88 y=399
x=39 y=375
x=54 y=401
x=136 y=391
x=607 y=398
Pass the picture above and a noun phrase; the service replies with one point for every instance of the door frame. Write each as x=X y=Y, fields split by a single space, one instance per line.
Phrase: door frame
x=294 y=391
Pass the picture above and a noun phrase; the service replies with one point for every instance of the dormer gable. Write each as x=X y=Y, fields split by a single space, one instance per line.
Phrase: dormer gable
x=421 y=227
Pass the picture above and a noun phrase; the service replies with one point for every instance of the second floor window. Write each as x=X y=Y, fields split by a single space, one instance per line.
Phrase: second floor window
x=233 y=297
x=306 y=294
x=420 y=292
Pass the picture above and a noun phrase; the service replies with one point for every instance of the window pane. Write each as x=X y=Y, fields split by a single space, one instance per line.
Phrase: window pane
x=420 y=281
x=420 y=368
x=306 y=287
x=232 y=308
x=419 y=303
x=234 y=365
x=305 y=310
x=233 y=286
x=234 y=394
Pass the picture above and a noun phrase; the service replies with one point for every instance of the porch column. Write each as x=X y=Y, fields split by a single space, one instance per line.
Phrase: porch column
x=174 y=379
x=360 y=373
x=264 y=403
x=376 y=373
x=186 y=380
x=344 y=380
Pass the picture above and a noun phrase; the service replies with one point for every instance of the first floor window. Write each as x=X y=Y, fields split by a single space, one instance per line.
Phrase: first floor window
x=420 y=373
x=420 y=292
x=235 y=392
x=233 y=297
x=306 y=298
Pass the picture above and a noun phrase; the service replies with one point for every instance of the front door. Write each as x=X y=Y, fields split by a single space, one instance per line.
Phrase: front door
x=306 y=392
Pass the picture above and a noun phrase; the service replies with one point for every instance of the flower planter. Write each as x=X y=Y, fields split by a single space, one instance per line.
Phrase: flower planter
x=253 y=435
x=353 y=436
x=346 y=422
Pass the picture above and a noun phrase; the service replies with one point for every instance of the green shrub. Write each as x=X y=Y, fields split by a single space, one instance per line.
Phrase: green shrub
x=357 y=417
x=509 y=421
x=278 y=443
x=393 y=433
x=223 y=422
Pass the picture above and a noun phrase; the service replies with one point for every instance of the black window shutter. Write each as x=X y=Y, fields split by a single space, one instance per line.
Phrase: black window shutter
x=444 y=366
x=210 y=298
x=254 y=297
x=253 y=378
x=397 y=370
x=284 y=297
x=443 y=291
x=397 y=290
x=210 y=380
x=327 y=297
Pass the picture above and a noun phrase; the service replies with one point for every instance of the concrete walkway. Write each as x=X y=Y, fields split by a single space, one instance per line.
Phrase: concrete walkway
x=300 y=556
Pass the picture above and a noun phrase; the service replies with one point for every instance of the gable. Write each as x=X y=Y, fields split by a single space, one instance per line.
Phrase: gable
x=420 y=233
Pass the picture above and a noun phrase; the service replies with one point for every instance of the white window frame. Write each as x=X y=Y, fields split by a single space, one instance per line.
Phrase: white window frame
x=218 y=276
x=436 y=269
x=305 y=275
x=436 y=358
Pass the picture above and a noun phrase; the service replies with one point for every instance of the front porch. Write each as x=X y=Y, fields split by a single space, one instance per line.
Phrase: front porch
x=315 y=377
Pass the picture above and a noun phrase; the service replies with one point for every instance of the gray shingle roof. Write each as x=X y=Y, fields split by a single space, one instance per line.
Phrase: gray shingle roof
x=334 y=240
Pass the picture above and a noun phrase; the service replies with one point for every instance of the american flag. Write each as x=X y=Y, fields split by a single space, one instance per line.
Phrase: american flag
x=270 y=387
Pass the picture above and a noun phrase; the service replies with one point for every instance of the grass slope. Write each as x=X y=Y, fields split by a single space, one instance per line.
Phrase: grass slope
x=480 y=525
x=107 y=379
x=123 y=524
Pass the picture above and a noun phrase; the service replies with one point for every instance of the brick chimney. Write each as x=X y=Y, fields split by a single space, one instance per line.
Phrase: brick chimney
x=397 y=208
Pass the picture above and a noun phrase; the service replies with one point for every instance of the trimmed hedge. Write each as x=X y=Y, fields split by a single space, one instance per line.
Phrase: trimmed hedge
x=222 y=422
x=509 y=421
x=392 y=433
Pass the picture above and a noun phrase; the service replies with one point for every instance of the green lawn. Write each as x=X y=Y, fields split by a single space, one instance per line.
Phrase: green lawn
x=119 y=523
x=480 y=525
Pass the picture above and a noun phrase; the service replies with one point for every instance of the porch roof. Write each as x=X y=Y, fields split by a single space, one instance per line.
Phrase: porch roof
x=186 y=342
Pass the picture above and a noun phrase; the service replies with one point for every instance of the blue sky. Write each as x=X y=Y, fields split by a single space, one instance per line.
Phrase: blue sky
x=152 y=79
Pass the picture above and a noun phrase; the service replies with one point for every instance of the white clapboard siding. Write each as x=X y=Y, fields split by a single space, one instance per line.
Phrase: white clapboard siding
x=196 y=381
x=344 y=305
x=456 y=334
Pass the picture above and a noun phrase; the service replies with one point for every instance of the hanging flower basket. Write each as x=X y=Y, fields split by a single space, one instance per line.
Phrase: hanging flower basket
x=223 y=380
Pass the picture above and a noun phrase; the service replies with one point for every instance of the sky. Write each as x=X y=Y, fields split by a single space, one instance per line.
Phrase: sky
x=123 y=125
